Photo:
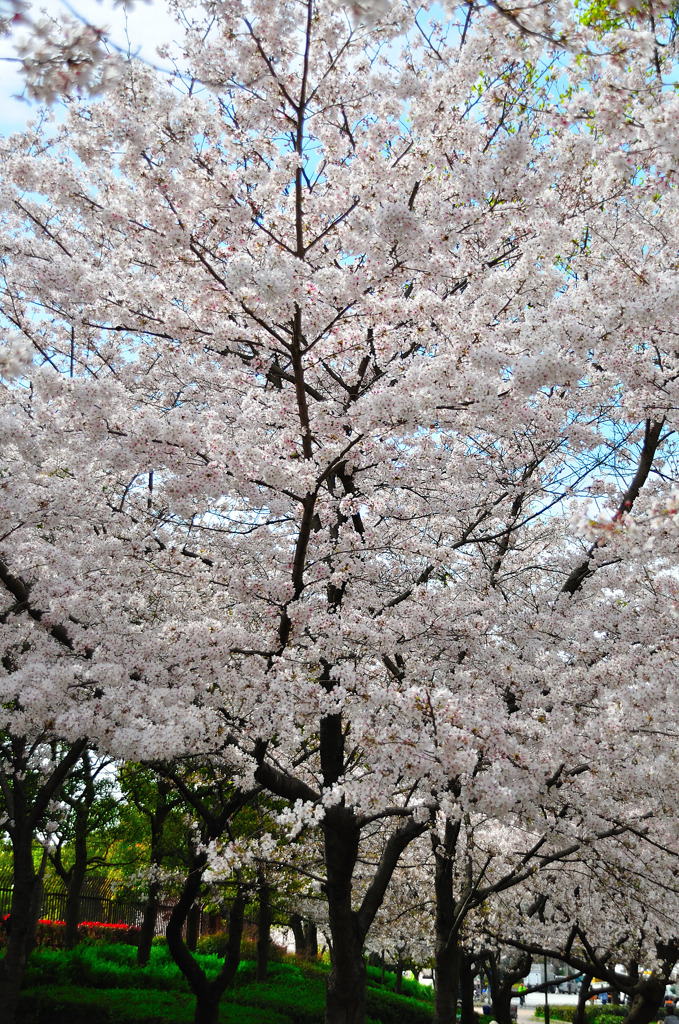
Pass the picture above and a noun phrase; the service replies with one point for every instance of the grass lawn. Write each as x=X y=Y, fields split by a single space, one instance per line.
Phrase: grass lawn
x=100 y=984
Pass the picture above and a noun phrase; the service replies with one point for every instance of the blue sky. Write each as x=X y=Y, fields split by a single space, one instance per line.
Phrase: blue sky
x=148 y=25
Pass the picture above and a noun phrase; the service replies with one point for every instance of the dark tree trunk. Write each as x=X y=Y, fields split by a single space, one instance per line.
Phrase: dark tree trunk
x=502 y=982
x=583 y=994
x=76 y=875
x=207 y=1010
x=346 y=985
x=502 y=1002
x=26 y=892
x=297 y=925
x=647 y=998
x=345 y=1001
x=26 y=884
x=264 y=930
x=447 y=954
x=232 y=958
x=398 y=983
x=447 y=984
x=193 y=927
x=208 y=993
x=311 y=939
x=148 y=925
x=467 y=991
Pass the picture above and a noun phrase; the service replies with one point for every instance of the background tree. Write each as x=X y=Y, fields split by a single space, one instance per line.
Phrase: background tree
x=86 y=814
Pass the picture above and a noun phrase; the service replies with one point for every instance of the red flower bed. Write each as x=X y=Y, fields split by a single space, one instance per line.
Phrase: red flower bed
x=51 y=933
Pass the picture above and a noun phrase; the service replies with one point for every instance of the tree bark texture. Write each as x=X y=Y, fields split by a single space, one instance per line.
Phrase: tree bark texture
x=264 y=930
x=447 y=954
x=467 y=991
x=646 y=1000
x=148 y=925
x=346 y=985
x=502 y=981
x=23 y=922
x=208 y=993
x=583 y=994
x=193 y=927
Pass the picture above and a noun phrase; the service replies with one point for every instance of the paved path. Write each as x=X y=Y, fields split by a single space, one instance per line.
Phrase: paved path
x=526 y=1014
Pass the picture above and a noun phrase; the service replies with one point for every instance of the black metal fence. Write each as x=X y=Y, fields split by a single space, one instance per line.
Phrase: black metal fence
x=93 y=907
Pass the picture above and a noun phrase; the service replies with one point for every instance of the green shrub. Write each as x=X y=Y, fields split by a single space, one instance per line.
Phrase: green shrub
x=608 y=1014
x=392 y=1009
x=301 y=999
x=56 y=1005
x=594 y=1013
x=218 y=942
x=409 y=987
x=107 y=967
x=66 y=988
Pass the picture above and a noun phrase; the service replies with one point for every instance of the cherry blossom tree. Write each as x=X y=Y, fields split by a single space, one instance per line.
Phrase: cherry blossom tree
x=330 y=335
x=610 y=913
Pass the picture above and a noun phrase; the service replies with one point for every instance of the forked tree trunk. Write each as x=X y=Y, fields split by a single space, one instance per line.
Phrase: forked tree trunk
x=207 y=1009
x=502 y=1002
x=207 y=993
x=502 y=983
x=646 y=1001
x=346 y=985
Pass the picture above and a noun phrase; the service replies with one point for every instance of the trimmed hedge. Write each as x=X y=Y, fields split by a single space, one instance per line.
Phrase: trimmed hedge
x=594 y=1014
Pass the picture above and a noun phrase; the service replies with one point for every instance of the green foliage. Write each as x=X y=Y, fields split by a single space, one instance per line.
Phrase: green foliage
x=301 y=999
x=67 y=987
x=216 y=944
x=594 y=1013
x=58 y=1005
x=605 y=16
x=409 y=987
x=600 y=14
x=103 y=967
x=392 y=1009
